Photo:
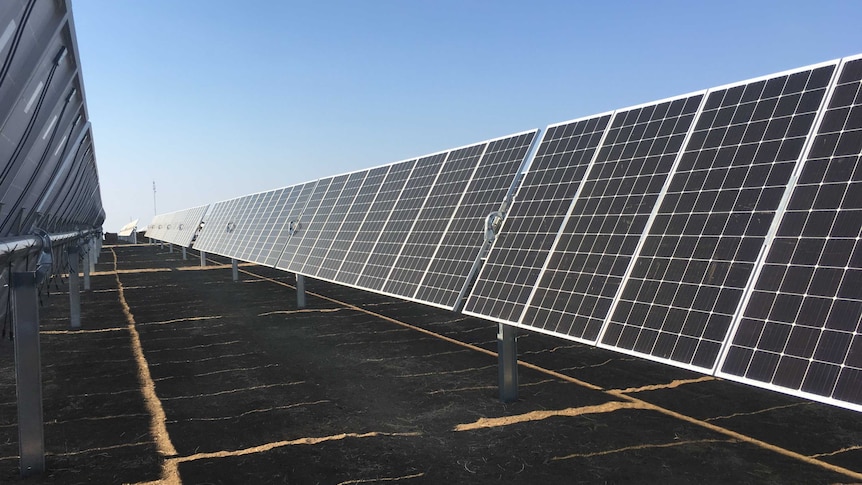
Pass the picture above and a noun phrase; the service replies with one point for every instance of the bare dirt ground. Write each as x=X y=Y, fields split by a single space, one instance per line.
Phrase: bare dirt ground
x=255 y=391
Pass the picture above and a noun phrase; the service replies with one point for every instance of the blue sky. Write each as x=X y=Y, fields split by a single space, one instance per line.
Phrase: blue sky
x=214 y=99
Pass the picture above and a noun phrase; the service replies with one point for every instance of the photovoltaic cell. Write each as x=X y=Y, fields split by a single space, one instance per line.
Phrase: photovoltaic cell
x=397 y=227
x=375 y=220
x=264 y=223
x=589 y=260
x=460 y=247
x=319 y=207
x=802 y=327
x=431 y=221
x=534 y=219
x=688 y=279
x=333 y=222
x=352 y=221
x=237 y=225
x=278 y=238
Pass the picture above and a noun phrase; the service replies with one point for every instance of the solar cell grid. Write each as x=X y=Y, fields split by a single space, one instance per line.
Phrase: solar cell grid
x=264 y=224
x=249 y=230
x=218 y=228
x=332 y=224
x=293 y=207
x=687 y=281
x=802 y=326
x=238 y=225
x=534 y=219
x=400 y=221
x=449 y=268
x=303 y=219
x=600 y=236
x=352 y=221
x=316 y=224
x=375 y=220
x=205 y=235
x=430 y=223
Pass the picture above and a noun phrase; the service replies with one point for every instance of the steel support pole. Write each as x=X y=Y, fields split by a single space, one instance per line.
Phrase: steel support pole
x=28 y=373
x=234 y=268
x=300 y=291
x=94 y=254
x=74 y=288
x=88 y=264
x=203 y=259
x=185 y=256
x=170 y=248
x=507 y=361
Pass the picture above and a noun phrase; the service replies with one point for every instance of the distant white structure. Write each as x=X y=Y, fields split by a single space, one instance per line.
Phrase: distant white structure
x=129 y=232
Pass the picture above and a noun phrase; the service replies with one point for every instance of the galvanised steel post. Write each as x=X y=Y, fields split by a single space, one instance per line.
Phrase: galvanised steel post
x=74 y=288
x=300 y=291
x=28 y=372
x=507 y=361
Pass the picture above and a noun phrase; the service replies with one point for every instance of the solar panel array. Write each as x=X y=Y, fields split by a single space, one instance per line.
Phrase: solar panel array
x=177 y=227
x=48 y=176
x=414 y=229
x=717 y=231
x=645 y=231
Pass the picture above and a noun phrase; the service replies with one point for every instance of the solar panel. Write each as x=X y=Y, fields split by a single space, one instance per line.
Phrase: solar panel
x=299 y=243
x=177 y=227
x=264 y=224
x=429 y=223
x=293 y=207
x=801 y=331
x=687 y=281
x=400 y=221
x=351 y=222
x=207 y=234
x=331 y=225
x=533 y=221
x=236 y=225
x=217 y=227
x=605 y=224
x=450 y=266
x=375 y=220
x=249 y=226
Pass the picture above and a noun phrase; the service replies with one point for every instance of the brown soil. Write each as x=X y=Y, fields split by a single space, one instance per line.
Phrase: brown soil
x=255 y=391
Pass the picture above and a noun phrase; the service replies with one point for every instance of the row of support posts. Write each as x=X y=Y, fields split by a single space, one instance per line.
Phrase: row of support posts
x=28 y=366
x=507 y=346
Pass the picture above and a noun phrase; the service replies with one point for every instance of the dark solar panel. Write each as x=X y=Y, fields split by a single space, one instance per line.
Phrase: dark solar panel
x=450 y=267
x=302 y=219
x=534 y=219
x=314 y=225
x=352 y=221
x=293 y=207
x=802 y=327
x=266 y=224
x=375 y=220
x=600 y=236
x=332 y=225
x=430 y=223
x=400 y=221
x=687 y=281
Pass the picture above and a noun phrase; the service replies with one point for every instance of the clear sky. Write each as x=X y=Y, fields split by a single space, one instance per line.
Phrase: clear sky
x=213 y=99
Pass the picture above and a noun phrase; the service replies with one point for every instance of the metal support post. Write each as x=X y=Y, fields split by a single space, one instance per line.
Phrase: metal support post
x=74 y=288
x=203 y=259
x=88 y=264
x=507 y=362
x=235 y=268
x=185 y=257
x=300 y=291
x=95 y=248
x=170 y=247
x=28 y=373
